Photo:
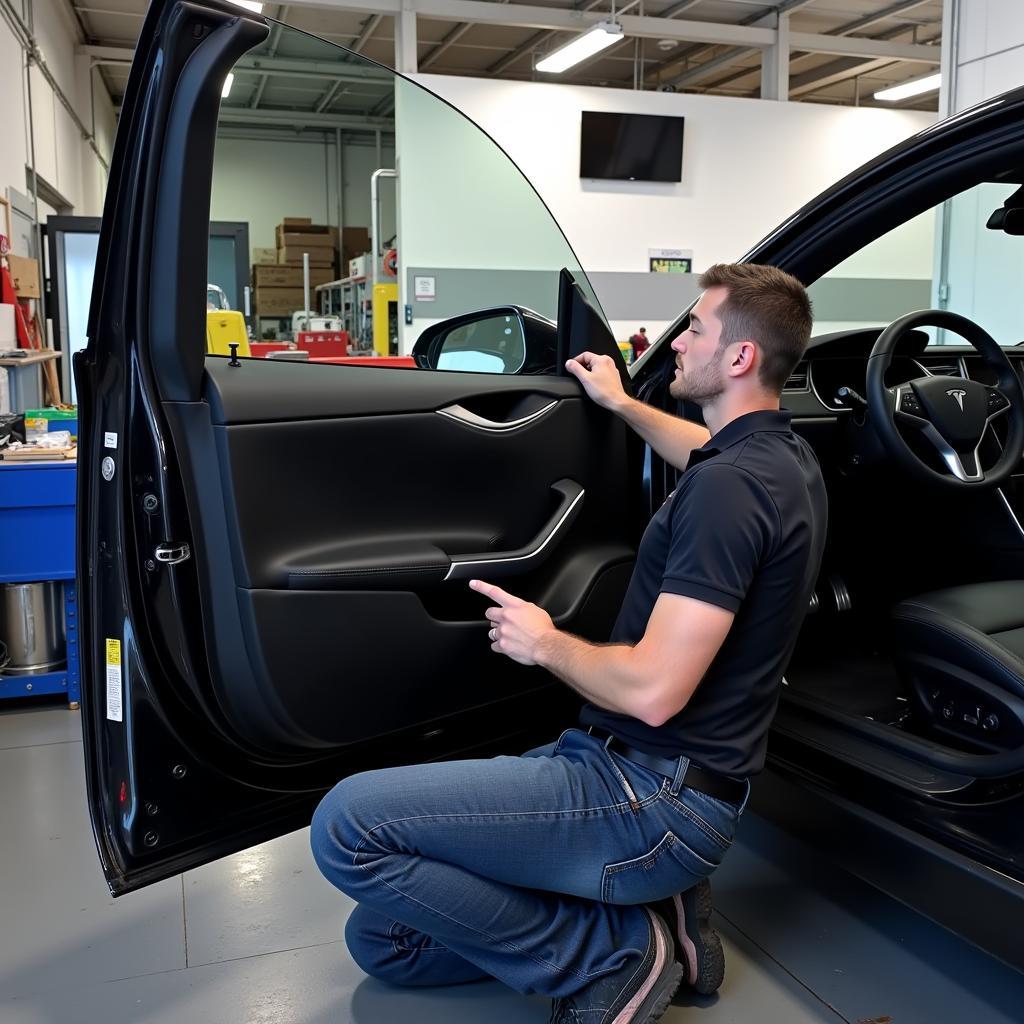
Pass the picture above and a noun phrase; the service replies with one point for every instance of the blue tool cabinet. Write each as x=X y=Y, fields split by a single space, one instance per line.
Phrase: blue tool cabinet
x=37 y=542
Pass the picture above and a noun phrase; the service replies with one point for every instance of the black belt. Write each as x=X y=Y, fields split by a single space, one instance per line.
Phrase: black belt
x=701 y=779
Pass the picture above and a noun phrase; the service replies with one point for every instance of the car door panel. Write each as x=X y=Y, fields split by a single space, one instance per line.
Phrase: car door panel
x=230 y=517
x=314 y=506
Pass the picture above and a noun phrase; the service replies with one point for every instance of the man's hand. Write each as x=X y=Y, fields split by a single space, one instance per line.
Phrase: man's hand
x=600 y=379
x=519 y=627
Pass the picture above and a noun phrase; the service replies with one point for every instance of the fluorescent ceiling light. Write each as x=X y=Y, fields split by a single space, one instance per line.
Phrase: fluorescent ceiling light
x=227 y=86
x=914 y=87
x=602 y=35
x=250 y=4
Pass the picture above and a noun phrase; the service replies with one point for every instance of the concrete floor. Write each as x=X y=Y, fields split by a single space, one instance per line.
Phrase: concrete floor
x=255 y=938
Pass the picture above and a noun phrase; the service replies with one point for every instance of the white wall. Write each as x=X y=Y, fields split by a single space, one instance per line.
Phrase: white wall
x=263 y=181
x=63 y=159
x=747 y=164
x=989 y=54
x=982 y=270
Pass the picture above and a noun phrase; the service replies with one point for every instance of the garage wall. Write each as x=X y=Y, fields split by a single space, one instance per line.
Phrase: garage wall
x=981 y=269
x=747 y=165
x=63 y=159
x=262 y=181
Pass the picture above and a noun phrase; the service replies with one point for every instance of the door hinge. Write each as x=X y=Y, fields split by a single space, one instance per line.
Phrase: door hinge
x=173 y=552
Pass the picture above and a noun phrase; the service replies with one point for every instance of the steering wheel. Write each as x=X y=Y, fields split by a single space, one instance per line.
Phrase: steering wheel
x=951 y=412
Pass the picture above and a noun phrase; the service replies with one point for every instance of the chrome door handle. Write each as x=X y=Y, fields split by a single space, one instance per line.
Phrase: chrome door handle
x=508 y=563
x=462 y=415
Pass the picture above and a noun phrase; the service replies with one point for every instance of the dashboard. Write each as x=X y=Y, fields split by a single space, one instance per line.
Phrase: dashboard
x=840 y=360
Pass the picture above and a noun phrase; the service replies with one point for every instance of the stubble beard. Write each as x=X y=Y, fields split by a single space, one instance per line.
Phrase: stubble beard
x=703 y=387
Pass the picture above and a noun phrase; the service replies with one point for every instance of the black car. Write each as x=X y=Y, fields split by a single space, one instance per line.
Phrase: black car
x=273 y=555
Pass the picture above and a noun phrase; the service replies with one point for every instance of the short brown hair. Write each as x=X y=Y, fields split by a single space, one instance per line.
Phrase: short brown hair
x=768 y=306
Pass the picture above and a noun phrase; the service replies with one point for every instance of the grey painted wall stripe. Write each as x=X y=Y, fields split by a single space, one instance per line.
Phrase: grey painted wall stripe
x=875 y=300
x=461 y=290
x=643 y=296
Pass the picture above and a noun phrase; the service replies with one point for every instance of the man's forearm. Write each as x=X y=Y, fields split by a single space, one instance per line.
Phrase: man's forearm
x=672 y=437
x=606 y=675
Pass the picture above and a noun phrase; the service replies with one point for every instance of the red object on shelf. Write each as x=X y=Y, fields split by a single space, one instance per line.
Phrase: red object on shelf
x=336 y=346
x=320 y=336
x=26 y=335
x=261 y=349
x=366 y=360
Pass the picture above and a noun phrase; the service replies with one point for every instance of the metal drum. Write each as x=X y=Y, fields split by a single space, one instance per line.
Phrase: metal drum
x=32 y=627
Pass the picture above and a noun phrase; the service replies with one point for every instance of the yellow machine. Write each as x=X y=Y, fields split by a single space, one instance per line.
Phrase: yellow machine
x=223 y=325
x=385 y=319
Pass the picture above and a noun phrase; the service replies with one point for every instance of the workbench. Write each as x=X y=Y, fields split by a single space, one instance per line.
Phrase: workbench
x=37 y=543
x=25 y=378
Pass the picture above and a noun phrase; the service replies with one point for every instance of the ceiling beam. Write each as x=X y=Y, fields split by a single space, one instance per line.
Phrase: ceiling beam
x=842 y=32
x=568 y=20
x=765 y=16
x=449 y=40
x=863 y=46
x=300 y=119
x=275 y=39
x=845 y=67
x=877 y=16
x=327 y=98
x=303 y=119
x=836 y=71
x=832 y=73
x=537 y=41
x=369 y=27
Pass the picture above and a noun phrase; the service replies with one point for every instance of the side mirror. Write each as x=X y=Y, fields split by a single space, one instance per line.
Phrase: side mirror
x=506 y=339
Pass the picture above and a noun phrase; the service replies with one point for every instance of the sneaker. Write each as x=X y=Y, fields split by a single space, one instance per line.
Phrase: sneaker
x=641 y=997
x=697 y=945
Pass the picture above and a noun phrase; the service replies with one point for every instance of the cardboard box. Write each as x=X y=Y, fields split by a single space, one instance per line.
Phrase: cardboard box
x=314 y=241
x=296 y=220
x=280 y=301
x=25 y=275
x=317 y=257
x=326 y=234
x=279 y=276
x=264 y=256
x=355 y=238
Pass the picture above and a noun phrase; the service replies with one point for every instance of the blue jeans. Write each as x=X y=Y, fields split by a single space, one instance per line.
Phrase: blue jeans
x=526 y=869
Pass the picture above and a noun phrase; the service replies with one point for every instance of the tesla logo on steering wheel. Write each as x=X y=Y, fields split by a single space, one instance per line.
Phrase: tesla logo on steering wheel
x=959 y=395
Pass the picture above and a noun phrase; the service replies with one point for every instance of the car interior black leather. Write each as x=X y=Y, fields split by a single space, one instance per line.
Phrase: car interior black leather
x=961 y=650
x=980 y=625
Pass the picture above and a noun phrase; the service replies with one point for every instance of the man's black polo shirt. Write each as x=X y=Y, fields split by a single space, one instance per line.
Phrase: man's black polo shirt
x=744 y=530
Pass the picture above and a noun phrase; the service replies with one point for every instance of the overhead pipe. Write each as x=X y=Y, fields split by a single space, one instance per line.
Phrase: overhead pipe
x=381 y=172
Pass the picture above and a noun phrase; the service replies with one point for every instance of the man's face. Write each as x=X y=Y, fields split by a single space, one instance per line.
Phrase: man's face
x=699 y=374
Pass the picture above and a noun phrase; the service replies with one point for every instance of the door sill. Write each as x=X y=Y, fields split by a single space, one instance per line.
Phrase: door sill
x=817 y=728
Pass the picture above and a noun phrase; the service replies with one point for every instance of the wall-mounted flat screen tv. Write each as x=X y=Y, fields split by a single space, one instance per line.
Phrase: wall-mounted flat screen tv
x=631 y=147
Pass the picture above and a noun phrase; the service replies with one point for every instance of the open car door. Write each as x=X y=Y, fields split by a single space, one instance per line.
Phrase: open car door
x=273 y=555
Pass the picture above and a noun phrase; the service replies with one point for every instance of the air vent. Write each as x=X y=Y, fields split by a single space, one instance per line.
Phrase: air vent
x=798 y=378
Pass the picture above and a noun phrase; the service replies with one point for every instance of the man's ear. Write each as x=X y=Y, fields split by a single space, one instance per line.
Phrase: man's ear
x=743 y=358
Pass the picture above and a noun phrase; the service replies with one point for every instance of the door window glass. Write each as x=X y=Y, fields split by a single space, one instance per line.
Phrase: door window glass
x=375 y=211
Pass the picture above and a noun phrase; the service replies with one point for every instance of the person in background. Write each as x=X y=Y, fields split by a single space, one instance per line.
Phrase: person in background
x=640 y=343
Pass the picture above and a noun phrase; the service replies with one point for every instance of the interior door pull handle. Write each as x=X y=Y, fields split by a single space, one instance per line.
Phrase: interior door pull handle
x=463 y=415
x=491 y=564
